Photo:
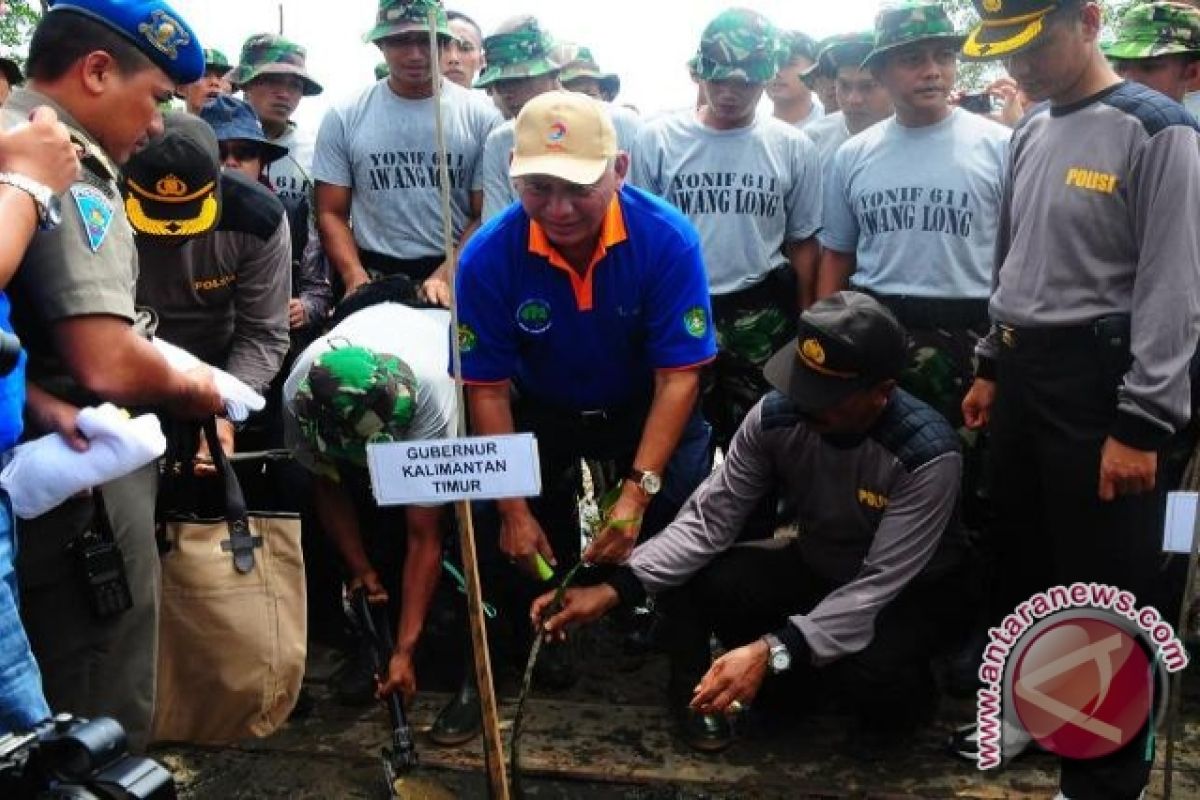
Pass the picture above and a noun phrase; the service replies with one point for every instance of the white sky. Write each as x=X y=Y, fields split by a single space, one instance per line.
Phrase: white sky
x=646 y=42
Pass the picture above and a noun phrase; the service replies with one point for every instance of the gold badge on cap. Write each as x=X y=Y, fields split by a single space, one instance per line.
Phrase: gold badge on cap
x=165 y=33
x=812 y=351
x=993 y=6
x=171 y=186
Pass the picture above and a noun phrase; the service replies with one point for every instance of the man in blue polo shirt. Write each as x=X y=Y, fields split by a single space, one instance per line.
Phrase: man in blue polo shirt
x=584 y=318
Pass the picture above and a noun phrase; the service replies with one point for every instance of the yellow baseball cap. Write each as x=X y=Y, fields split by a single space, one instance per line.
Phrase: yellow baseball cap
x=564 y=135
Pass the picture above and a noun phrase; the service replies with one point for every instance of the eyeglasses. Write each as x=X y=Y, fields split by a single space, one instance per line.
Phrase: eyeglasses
x=240 y=151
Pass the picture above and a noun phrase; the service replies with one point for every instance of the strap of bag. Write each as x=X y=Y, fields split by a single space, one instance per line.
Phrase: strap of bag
x=101 y=525
x=240 y=542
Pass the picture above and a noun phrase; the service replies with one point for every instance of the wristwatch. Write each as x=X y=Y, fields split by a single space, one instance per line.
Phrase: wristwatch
x=779 y=658
x=49 y=207
x=649 y=482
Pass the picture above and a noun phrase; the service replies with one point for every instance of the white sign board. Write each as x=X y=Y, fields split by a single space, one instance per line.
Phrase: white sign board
x=1181 y=522
x=444 y=470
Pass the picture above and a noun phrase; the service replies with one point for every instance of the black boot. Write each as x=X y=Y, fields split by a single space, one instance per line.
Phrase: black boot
x=461 y=719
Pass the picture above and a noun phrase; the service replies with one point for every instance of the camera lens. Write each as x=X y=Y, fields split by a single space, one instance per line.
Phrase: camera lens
x=10 y=352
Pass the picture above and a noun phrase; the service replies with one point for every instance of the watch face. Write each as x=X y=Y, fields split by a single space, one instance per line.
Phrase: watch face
x=781 y=660
x=53 y=211
x=651 y=483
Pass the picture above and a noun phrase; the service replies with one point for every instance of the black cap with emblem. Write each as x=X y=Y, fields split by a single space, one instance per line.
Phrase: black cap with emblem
x=1006 y=27
x=173 y=185
x=847 y=342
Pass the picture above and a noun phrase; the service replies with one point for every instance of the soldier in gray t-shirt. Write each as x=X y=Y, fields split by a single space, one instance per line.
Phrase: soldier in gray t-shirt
x=912 y=205
x=752 y=187
x=377 y=160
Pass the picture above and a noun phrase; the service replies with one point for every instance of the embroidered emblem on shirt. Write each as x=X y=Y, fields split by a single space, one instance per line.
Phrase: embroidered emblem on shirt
x=695 y=321
x=466 y=338
x=533 y=316
x=1093 y=180
x=96 y=212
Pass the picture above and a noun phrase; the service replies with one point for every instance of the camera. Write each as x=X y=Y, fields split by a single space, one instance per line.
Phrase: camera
x=69 y=757
x=10 y=352
x=976 y=103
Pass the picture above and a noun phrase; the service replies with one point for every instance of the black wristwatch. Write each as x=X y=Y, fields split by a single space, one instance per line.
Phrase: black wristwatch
x=649 y=482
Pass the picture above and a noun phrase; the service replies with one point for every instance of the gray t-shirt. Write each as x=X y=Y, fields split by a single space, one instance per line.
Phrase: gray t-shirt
x=384 y=148
x=827 y=134
x=919 y=207
x=748 y=191
x=291 y=176
x=492 y=176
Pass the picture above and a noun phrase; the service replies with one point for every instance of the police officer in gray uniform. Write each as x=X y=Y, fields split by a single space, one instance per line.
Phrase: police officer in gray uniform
x=104 y=66
x=874 y=474
x=1084 y=376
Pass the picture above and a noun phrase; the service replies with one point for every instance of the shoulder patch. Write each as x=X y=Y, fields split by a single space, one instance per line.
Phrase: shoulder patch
x=1156 y=112
x=913 y=432
x=248 y=207
x=779 y=411
x=96 y=212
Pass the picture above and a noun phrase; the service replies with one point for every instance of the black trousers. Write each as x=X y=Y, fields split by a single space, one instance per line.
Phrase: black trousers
x=752 y=589
x=1056 y=402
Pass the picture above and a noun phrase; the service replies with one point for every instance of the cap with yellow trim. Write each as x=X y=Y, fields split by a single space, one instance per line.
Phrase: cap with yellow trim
x=847 y=342
x=1006 y=27
x=172 y=186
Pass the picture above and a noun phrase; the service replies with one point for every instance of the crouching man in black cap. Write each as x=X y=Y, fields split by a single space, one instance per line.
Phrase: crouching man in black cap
x=874 y=473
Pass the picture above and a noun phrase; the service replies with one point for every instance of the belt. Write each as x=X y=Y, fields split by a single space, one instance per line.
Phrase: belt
x=1112 y=331
x=934 y=312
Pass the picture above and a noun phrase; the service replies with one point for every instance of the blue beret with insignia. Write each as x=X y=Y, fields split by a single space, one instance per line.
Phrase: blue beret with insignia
x=153 y=26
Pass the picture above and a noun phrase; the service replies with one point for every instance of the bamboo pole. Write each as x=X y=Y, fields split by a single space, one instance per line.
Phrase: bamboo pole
x=493 y=747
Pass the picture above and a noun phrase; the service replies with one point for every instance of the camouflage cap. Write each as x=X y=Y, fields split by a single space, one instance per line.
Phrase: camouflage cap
x=352 y=397
x=740 y=43
x=268 y=54
x=403 y=16
x=215 y=59
x=909 y=21
x=1155 y=29
x=800 y=45
x=578 y=62
x=522 y=51
x=845 y=49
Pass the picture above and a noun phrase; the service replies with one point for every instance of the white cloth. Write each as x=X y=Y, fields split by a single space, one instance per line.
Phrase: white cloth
x=45 y=472
x=239 y=398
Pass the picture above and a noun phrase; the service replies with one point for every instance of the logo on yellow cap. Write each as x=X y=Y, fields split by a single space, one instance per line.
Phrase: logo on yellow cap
x=812 y=351
x=558 y=132
x=171 y=186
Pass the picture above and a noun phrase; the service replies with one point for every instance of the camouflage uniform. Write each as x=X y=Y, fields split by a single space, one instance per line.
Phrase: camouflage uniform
x=523 y=52
x=1156 y=29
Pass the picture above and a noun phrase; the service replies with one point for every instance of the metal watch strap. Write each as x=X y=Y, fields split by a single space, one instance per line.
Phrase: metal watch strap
x=40 y=193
